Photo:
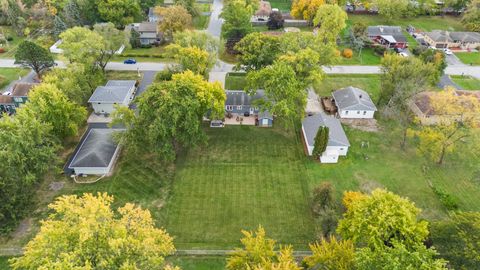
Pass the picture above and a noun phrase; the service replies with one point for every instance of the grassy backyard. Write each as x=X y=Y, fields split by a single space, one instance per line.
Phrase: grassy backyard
x=469 y=58
x=466 y=82
x=424 y=23
x=198 y=263
x=367 y=57
x=235 y=81
x=8 y=75
x=282 y=5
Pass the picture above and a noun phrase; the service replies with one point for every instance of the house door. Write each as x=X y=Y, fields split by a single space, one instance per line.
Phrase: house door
x=251 y=111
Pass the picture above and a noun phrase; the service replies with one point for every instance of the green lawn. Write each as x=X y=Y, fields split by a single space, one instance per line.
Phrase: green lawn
x=423 y=23
x=367 y=82
x=282 y=5
x=367 y=57
x=152 y=54
x=235 y=81
x=469 y=58
x=122 y=75
x=245 y=177
x=198 y=263
x=4 y=263
x=466 y=82
x=8 y=75
x=11 y=47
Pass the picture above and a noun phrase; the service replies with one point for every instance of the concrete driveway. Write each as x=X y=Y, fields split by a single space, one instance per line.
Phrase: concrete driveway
x=452 y=60
x=215 y=25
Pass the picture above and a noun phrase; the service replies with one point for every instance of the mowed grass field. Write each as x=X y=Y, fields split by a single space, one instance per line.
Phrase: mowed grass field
x=469 y=58
x=245 y=177
x=466 y=82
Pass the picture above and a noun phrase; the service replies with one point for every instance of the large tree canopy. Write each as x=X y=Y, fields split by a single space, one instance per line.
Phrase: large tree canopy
x=471 y=17
x=31 y=55
x=256 y=51
x=237 y=15
x=175 y=19
x=170 y=114
x=85 y=233
x=331 y=20
x=119 y=12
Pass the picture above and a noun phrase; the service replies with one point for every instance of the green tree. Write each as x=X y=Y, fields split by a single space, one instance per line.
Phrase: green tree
x=134 y=39
x=71 y=13
x=31 y=55
x=170 y=115
x=175 y=19
x=331 y=255
x=113 y=39
x=381 y=219
x=85 y=233
x=307 y=65
x=191 y=58
x=467 y=226
x=399 y=257
x=294 y=43
x=402 y=78
x=256 y=51
x=81 y=45
x=237 y=15
x=321 y=141
x=259 y=253
x=331 y=20
x=119 y=12
x=471 y=17
x=323 y=198
x=58 y=26
x=189 y=5
x=285 y=95
x=199 y=39
x=76 y=82
x=27 y=151
x=275 y=20
x=52 y=107
x=391 y=9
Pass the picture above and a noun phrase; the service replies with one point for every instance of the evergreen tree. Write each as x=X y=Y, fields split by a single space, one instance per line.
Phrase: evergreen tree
x=71 y=13
x=58 y=26
x=321 y=141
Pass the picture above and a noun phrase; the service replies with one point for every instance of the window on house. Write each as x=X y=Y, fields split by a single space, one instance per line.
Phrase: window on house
x=17 y=99
x=346 y=112
x=239 y=107
x=341 y=149
x=99 y=103
x=364 y=112
x=358 y=112
x=229 y=108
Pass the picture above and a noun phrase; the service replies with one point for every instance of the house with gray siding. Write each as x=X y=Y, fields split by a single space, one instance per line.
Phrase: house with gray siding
x=149 y=33
x=97 y=153
x=353 y=102
x=338 y=143
x=115 y=92
x=241 y=104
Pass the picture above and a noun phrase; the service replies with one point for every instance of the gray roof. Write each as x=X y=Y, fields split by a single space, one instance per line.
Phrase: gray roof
x=97 y=149
x=336 y=136
x=237 y=98
x=445 y=36
x=114 y=91
x=147 y=27
x=379 y=30
x=439 y=36
x=352 y=98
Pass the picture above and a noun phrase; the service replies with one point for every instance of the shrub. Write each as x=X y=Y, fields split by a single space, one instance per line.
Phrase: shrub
x=349 y=197
x=447 y=200
x=347 y=53
x=322 y=198
x=380 y=50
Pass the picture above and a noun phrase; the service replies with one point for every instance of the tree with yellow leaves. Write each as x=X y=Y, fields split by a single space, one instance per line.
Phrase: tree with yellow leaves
x=85 y=233
x=456 y=116
x=305 y=9
x=332 y=255
x=175 y=19
x=259 y=254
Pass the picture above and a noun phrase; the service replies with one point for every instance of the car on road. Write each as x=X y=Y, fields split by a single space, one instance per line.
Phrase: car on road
x=130 y=61
x=447 y=51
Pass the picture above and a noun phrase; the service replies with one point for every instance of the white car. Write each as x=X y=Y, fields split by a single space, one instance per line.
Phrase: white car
x=447 y=51
x=403 y=54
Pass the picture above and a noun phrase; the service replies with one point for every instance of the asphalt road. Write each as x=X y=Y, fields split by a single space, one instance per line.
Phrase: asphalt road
x=215 y=24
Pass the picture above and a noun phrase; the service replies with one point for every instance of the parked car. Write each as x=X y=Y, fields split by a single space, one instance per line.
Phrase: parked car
x=447 y=51
x=398 y=50
x=130 y=61
x=217 y=124
x=403 y=54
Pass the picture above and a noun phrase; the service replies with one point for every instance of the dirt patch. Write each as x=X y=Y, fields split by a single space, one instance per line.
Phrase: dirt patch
x=369 y=125
x=56 y=186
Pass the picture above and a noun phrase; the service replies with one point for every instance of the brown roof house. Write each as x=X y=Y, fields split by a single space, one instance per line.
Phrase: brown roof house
x=445 y=39
x=263 y=11
x=18 y=95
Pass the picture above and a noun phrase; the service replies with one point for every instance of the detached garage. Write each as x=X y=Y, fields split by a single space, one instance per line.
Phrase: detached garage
x=353 y=102
x=97 y=153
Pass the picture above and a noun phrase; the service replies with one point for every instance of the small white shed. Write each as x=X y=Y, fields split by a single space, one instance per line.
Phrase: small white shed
x=353 y=102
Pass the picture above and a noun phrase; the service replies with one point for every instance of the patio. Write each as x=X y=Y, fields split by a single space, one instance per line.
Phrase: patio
x=237 y=119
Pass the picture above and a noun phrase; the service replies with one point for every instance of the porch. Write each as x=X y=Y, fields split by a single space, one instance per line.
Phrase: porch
x=240 y=119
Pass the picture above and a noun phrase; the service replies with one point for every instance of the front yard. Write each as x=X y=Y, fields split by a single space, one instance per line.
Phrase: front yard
x=366 y=57
x=469 y=58
x=368 y=82
x=8 y=75
x=235 y=81
x=466 y=82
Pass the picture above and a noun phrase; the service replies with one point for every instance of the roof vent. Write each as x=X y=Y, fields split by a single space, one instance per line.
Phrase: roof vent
x=360 y=96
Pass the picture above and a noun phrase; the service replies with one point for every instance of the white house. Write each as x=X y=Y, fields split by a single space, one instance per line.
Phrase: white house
x=115 y=92
x=353 y=102
x=338 y=143
x=96 y=154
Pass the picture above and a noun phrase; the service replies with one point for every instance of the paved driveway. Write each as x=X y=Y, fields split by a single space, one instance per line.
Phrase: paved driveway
x=215 y=24
x=452 y=60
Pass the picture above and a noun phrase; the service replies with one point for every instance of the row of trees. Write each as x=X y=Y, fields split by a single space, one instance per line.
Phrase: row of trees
x=379 y=231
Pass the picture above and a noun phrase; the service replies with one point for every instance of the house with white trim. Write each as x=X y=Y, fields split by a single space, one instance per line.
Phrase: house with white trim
x=115 y=92
x=353 y=102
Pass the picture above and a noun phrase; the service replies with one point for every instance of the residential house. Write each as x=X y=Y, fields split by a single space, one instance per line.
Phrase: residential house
x=149 y=33
x=16 y=97
x=96 y=154
x=353 y=102
x=241 y=106
x=115 y=92
x=388 y=36
x=338 y=143
x=458 y=40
